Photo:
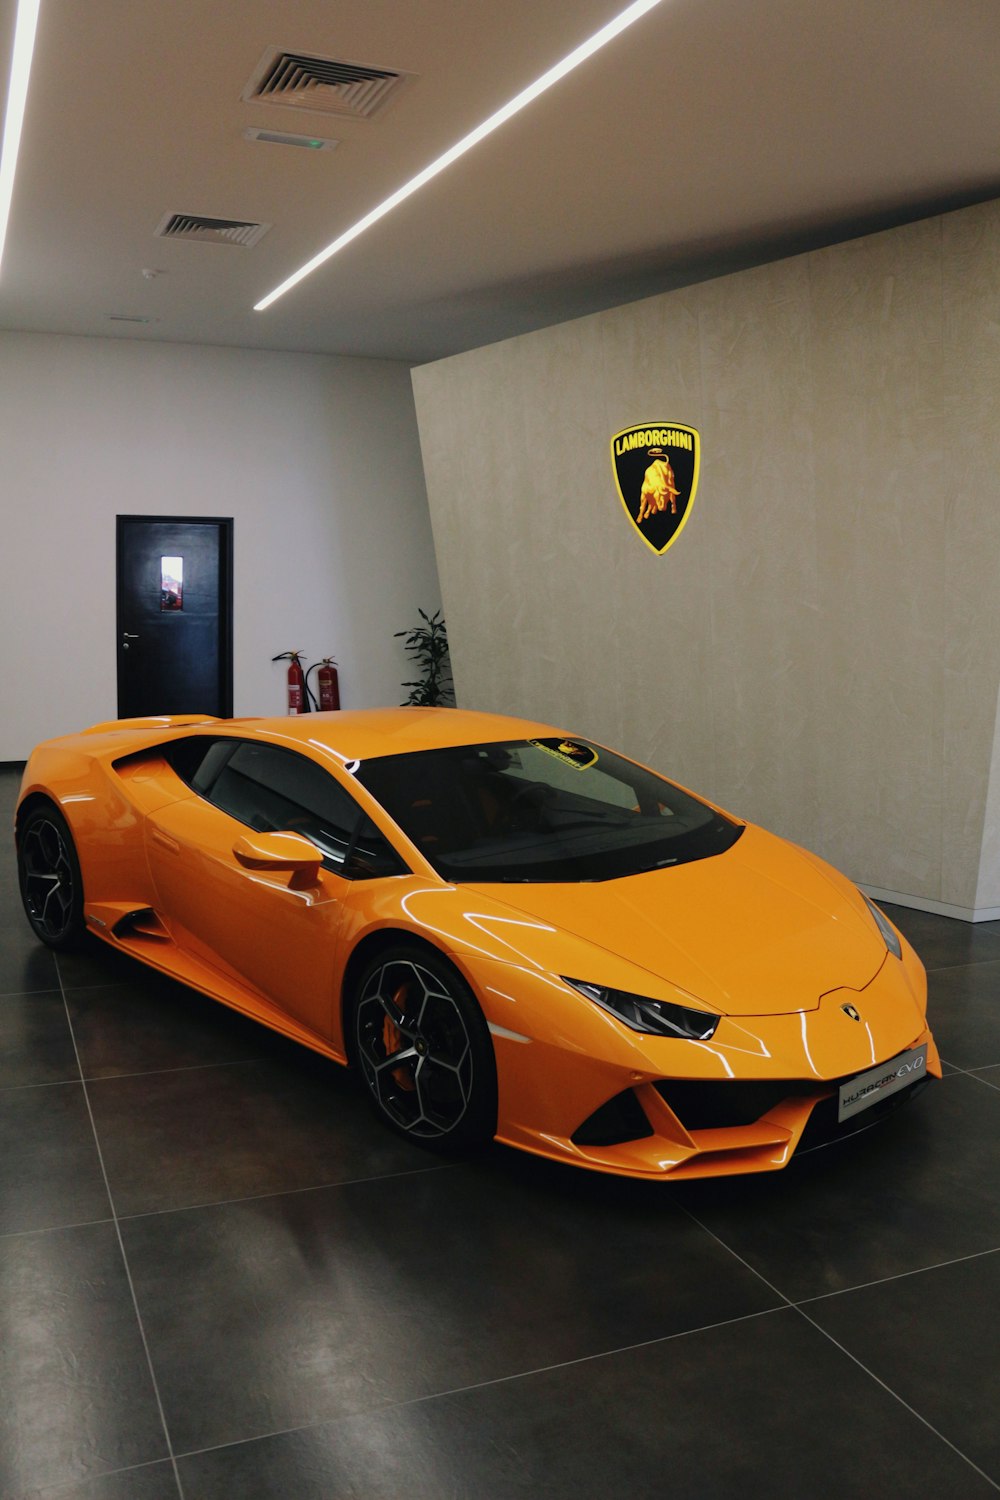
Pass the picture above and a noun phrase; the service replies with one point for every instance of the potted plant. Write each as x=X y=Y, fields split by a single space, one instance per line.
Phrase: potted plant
x=427 y=647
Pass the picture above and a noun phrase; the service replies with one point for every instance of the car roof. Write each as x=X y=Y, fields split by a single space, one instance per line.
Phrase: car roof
x=361 y=734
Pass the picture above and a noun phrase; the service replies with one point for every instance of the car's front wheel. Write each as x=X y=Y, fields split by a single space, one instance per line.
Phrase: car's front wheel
x=423 y=1048
x=49 y=876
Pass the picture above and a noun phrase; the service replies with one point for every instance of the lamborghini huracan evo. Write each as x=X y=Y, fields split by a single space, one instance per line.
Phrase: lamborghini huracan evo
x=508 y=931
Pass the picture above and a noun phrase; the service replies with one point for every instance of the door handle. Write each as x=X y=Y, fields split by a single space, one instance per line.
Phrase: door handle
x=128 y=636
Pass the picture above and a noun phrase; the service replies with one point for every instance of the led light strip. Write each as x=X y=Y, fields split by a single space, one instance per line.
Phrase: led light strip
x=580 y=54
x=17 y=98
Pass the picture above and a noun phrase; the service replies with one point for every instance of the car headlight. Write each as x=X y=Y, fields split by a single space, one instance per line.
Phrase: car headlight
x=657 y=1017
x=882 y=923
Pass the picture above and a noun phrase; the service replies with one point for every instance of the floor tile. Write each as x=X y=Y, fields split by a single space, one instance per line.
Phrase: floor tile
x=927 y=1337
x=149 y=1023
x=288 y=1310
x=78 y=1399
x=94 y=962
x=50 y=1173
x=151 y=1482
x=944 y=941
x=963 y=1007
x=763 y=1408
x=917 y=1190
x=204 y=1134
x=36 y=1045
x=25 y=963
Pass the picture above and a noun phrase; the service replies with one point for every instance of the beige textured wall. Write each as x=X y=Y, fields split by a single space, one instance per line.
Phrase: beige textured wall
x=820 y=649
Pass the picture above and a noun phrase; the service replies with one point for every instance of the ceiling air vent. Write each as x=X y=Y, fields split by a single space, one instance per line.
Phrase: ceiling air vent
x=326 y=84
x=210 y=231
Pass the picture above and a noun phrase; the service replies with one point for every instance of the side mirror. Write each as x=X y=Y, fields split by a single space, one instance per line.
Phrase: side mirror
x=281 y=851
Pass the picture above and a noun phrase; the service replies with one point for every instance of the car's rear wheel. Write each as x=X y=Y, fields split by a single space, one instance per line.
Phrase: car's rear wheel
x=49 y=876
x=423 y=1049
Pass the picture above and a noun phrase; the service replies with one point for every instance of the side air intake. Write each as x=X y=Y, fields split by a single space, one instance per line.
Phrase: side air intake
x=141 y=923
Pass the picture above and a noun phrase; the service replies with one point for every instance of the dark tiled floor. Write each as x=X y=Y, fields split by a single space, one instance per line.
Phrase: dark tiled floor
x=221 y=1280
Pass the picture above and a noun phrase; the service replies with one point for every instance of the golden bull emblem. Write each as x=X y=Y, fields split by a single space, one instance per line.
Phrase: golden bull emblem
x=656 y=474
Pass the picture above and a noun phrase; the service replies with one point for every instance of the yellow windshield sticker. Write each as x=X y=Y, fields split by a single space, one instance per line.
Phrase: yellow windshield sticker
x=571 y=752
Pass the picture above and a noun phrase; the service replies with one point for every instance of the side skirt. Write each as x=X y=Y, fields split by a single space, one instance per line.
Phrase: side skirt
x=141 y=936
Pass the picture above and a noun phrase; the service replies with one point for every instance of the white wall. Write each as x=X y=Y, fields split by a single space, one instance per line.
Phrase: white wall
x=820 y=649
x=316 y=459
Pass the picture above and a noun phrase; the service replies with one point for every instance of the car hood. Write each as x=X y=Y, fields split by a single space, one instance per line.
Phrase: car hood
x=765 y=928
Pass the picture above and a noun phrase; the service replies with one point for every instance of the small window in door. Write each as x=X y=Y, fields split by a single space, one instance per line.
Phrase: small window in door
x=171 y=583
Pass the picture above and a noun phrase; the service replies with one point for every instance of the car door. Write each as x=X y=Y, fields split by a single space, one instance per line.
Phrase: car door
x=255 y=923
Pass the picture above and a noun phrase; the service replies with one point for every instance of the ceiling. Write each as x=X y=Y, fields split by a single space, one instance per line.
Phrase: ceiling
x=712 y=135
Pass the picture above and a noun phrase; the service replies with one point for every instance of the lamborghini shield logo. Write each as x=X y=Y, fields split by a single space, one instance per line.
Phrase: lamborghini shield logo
x=656 y=474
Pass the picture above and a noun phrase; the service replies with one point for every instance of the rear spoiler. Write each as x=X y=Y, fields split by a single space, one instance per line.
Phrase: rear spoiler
x=156 y=721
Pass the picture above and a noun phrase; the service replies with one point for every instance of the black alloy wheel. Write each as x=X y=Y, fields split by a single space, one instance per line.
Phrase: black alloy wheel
x=49 y=875
x=423 y=1048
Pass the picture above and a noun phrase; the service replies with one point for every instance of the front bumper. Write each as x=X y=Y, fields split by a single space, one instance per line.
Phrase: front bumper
x=764 y=1087
x=657 y=1138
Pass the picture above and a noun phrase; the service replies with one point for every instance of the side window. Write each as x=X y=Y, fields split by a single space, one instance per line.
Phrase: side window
x=372 y=854
x=274 y=790
x=198 y=758
x=210 y=765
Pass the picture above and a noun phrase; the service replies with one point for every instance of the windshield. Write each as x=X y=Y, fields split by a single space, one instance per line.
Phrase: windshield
x=542 y=810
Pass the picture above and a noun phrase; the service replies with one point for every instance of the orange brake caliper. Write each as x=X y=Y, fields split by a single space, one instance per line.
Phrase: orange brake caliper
x=392 y=1039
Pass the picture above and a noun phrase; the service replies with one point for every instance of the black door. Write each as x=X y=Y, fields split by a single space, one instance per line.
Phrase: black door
x=174 y=616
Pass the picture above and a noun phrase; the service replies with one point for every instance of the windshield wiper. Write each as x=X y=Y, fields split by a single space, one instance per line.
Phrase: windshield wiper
x=587 y=820
x=658 y=864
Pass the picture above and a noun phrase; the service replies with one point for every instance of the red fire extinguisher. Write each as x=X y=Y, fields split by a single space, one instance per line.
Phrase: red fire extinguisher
x=326 y=682
x=298 y=698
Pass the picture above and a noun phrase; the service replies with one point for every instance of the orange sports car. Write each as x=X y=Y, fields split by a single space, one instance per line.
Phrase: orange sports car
x=507 y=930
